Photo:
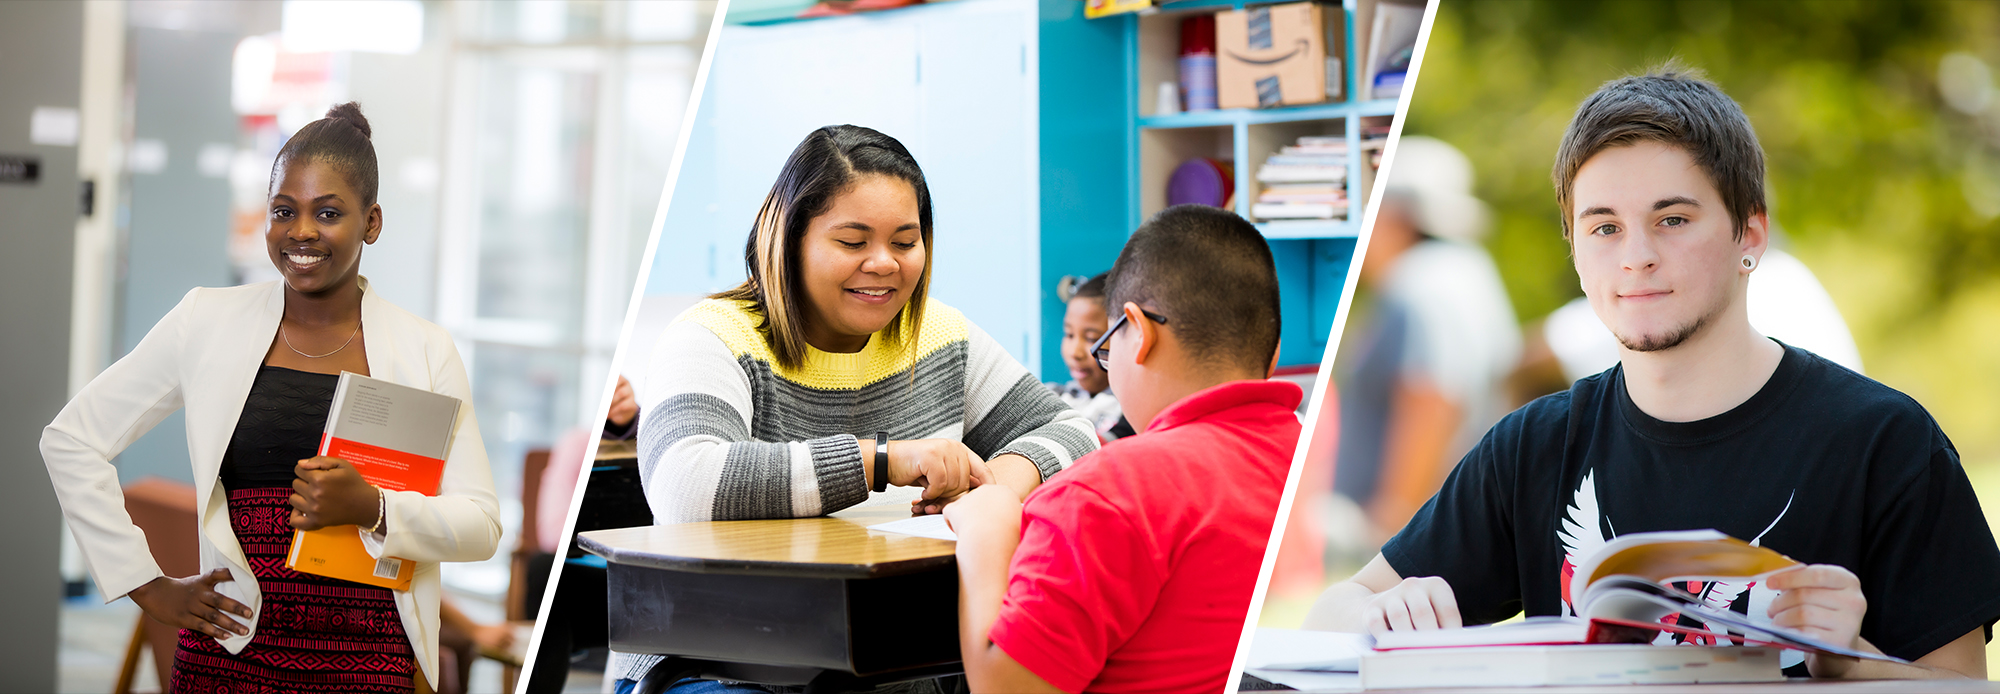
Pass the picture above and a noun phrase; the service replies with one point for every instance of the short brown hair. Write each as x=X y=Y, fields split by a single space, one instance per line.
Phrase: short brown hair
x=826 y=164
x=1672 y=104
x=1211 y=273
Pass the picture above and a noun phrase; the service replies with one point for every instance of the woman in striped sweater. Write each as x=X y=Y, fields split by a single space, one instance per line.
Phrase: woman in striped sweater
x=829 y=374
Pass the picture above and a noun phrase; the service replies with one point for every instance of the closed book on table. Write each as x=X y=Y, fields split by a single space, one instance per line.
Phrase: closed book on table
x=1535 y=666
x=397 y=438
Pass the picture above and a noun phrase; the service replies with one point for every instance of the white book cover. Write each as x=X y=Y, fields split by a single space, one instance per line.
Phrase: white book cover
x=1534 y=666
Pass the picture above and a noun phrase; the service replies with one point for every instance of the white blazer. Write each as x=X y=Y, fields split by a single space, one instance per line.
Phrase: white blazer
x=203 y=356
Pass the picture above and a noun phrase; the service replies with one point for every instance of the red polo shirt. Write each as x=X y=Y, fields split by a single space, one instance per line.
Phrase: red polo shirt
x=1136 y=565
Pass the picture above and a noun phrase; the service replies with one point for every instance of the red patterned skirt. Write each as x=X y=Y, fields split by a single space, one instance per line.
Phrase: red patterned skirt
x=315 y=634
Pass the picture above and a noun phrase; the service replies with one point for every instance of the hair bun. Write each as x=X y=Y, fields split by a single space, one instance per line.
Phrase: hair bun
x=351 y=112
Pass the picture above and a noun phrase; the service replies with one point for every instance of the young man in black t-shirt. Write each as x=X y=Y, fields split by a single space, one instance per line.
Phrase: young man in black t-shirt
x=1705 y=424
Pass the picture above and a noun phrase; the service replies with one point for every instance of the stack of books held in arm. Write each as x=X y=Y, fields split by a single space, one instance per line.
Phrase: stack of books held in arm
x=397 y=437
x=1304 y=181
x=1627 y=612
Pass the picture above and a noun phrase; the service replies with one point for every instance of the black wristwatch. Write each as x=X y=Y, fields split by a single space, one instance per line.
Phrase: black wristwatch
x=881 y=460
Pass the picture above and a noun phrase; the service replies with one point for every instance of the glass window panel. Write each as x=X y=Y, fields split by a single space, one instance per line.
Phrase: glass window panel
x=539 y=21
x=656 y=98
x=525 y=398
x=666 y=20
x=536 y=128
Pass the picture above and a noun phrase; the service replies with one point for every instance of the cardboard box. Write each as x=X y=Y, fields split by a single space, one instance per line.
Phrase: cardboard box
x=1277 y=55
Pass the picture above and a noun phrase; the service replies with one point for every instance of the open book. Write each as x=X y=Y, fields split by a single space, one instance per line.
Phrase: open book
x=1621 y=595
x=397 y=438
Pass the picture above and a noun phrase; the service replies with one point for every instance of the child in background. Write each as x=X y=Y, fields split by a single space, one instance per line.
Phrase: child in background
x=1132 y=571
x=1089 y=389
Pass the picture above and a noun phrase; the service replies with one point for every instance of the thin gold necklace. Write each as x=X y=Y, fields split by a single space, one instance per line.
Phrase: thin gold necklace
x=336 y=350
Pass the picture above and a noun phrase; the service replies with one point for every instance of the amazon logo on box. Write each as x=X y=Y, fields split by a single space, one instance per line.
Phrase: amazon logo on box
x=1277 y=55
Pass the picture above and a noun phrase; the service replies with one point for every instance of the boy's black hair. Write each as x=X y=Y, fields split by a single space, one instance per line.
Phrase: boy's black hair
x=1092 y=288
x=1676 y=105
x=1211 y=275
x=341 y=139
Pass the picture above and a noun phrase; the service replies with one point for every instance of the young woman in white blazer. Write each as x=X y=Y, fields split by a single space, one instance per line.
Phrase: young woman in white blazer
x=254 y=367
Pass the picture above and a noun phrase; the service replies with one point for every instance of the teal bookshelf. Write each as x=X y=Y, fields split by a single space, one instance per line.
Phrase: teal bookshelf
x=1313 y=255
x=1102 y=160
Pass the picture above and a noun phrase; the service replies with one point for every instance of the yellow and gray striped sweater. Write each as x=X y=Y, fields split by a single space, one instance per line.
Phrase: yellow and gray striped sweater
x=732 y=435
x=729 y=434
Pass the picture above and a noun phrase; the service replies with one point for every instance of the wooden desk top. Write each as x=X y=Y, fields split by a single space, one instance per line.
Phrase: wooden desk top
x=837 y=546
x=611 y=451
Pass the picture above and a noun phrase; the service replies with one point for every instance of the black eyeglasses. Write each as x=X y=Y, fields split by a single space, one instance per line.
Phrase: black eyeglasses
x=1103 y=353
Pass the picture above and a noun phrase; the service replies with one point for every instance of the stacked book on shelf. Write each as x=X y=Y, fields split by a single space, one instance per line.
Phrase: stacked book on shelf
x=1307 y=180
x=1373 y=139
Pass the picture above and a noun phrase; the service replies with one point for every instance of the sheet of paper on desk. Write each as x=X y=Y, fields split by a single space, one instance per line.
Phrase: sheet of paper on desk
x=932 y=526
x=1307 y=651
x=1307 y=660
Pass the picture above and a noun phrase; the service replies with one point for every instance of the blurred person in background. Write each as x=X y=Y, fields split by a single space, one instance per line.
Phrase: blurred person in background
x=1431 y=361
x=1089 y=389
x=576 y=619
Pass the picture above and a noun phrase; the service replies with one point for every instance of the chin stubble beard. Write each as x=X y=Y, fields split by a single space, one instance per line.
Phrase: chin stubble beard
x=1670 y=340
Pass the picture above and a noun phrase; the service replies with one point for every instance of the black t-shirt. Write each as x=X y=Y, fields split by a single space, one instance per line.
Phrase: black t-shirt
x=1822 y=465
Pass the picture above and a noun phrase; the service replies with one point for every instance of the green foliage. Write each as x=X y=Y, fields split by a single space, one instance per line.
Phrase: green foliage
x=1887 y=191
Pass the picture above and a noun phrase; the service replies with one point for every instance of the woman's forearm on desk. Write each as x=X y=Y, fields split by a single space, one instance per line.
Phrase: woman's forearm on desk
x=696 y=471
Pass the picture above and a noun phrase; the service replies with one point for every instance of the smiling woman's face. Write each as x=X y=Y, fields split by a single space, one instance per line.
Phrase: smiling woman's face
x=317 y=227
x=860 y=262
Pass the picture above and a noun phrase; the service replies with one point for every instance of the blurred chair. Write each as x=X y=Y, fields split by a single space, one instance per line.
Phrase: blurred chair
x=525 y=549
x=165 y=511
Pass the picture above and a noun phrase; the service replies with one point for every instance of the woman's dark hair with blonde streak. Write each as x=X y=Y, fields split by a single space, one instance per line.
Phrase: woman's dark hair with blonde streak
x=825 y=165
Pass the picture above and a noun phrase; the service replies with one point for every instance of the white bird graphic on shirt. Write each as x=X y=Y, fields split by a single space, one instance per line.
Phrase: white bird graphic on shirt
x=1582 y=532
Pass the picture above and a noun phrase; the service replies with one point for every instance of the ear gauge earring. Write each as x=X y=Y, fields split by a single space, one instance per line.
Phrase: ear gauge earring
x=1749 y=262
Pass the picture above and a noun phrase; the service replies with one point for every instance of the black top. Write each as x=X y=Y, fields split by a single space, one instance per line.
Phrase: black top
x=281 y=425
x=1822 y=465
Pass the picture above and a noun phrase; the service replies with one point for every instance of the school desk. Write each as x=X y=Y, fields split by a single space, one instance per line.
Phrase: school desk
x=609 y=451
x=613 y=495
x=820 y=601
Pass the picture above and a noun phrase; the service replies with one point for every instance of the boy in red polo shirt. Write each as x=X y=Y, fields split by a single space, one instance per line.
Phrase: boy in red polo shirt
x=1132 y=570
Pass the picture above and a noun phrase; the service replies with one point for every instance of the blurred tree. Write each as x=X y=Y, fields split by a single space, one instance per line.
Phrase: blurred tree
x=1880 y=121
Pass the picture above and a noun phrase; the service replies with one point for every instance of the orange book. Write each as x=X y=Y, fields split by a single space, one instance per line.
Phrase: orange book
x=397 y=438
